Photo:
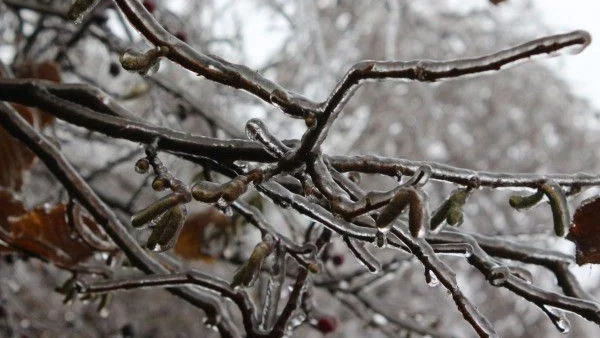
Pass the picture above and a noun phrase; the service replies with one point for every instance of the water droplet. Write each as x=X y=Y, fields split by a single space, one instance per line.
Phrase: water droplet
x=25 y=323
x=222 y=204
x=297 y=320
x=104 y=312
x=241 y=165
x=380 y=238
x=343 y=285
x=156 y=248
x=379 y=319
x=563 y=325
x=431 y=278
x=499 y=275
x=153 y=69
x=142 y=166
x=252 y=129
x=558 y=318
x=211 y=323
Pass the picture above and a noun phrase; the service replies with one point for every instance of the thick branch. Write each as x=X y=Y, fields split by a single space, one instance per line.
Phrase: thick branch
x=78 y=188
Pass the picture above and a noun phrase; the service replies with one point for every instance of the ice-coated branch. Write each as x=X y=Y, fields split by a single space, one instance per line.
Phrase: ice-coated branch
x=113 y=124
x=78 y=188
x=197 y=278
x=361 y=253
x=426 y=71
x=469 y=178
x=426 y=255
x=503 y=277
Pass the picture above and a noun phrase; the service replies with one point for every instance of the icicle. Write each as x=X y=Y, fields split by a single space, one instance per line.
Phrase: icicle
x=558 y=318
x=431 y=278
x=273 y=292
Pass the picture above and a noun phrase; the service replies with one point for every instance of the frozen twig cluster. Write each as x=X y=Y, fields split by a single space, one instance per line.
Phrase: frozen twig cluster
x=297 y=174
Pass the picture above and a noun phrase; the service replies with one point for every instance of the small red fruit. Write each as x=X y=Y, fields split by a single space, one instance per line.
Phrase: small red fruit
x=326 y=324
x=337 y=260
x=150 y=5
x=181 y=36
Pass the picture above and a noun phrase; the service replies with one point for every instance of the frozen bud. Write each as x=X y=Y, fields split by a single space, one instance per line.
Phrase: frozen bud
x=313 y=267
x=310 y=120
x=142 y=166
x=167 y=229
x=159 y=184
x=143 y=63
x=525 y=202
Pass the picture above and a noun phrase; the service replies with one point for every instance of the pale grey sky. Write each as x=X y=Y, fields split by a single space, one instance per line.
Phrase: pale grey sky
x=582 y=70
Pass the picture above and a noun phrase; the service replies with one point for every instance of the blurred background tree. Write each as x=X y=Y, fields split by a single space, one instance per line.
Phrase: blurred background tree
x=524 y=119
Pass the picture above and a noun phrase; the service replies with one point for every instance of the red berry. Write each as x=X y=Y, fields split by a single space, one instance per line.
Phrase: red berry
x=326 y=324
x=337 y=260
x=181 y=36
x=150 y=5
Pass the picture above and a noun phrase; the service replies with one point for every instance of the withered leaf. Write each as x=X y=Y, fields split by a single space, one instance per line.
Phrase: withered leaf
x=15 y=158
x=204 y=235
x=585 y=232
x=42 y=232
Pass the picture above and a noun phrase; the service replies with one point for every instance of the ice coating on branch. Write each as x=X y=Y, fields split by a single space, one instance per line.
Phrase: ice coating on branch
x=364 y=256
x=273 y=292
x=80 y=8
x=431 y=71
x=257 y=131
x=431 y=278
x=248 y=273
x=315 y=211
x=143 y=63
x=558 y=318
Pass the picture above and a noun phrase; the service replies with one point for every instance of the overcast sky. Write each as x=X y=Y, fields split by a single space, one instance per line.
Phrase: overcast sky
x=583 y=70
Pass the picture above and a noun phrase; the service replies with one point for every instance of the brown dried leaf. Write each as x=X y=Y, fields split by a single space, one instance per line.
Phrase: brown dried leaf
x=204 y=235
x=14 y=157
x=42 y=232
x=8 y=207
x=585 y=232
